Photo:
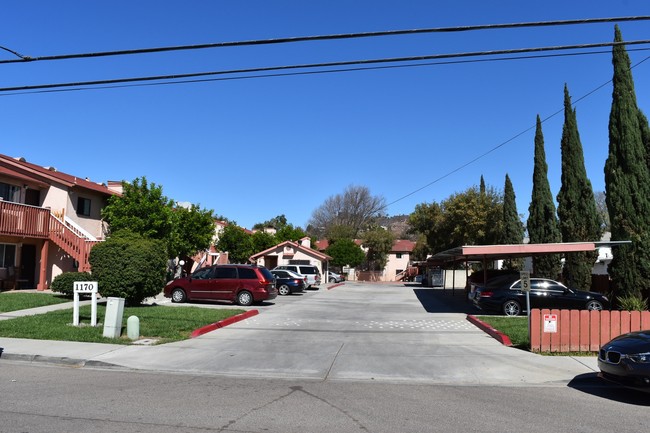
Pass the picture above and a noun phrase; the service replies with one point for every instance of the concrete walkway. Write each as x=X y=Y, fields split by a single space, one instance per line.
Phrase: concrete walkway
x=355 y=331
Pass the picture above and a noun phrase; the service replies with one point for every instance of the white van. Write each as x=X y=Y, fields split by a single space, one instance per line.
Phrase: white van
x=310 y=271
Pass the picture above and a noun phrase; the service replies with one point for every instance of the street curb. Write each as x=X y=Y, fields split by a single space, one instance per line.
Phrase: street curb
x=335 y=285
x=222 y=323
x=497 y=335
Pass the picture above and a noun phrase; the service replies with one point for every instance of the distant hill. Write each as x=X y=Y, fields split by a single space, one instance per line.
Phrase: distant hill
x=397 y=224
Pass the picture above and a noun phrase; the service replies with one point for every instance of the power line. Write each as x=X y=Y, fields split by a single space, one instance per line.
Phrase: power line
x=321 y=65
x=473 y=160
x=24 y=59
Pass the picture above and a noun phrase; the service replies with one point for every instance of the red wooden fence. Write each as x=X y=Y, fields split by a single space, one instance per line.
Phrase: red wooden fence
x=582 y=331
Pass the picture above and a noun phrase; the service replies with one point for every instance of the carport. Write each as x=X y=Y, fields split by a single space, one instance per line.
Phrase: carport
x=485 y=253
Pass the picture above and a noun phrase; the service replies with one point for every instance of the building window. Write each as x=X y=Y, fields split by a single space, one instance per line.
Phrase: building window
x=10 y=192
x=398 y=255
x=83 y=206
x=7 y=255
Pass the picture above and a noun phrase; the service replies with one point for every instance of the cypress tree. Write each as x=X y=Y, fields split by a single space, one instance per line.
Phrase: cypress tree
x=576 y=203
x=542 y=222
x=627 y=181
x=513 y=229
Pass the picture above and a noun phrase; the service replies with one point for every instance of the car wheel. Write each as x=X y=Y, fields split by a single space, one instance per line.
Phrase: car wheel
x=511 y=308
x=178 y=295
x=244 y=298
x=332 y=280
x=284 y=290
x=594 y=306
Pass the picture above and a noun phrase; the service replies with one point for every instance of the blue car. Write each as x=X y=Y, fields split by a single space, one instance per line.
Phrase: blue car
x=288 y=282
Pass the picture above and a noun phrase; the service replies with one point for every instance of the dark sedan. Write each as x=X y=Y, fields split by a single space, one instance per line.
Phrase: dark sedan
x=625 y=360
x=288 y=282
x=504 y=295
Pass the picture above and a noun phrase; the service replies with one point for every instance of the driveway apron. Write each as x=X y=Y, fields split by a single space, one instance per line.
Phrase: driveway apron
x=356 y=331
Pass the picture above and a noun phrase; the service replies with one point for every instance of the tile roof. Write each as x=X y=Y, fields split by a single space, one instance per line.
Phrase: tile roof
x=19 y=168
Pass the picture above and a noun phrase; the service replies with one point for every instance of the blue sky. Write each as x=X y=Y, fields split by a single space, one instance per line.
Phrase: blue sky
x=252 y=149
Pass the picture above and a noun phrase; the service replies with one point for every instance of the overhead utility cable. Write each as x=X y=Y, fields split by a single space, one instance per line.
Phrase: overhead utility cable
x=24 y=59
x=489 y=151
x=322 y=65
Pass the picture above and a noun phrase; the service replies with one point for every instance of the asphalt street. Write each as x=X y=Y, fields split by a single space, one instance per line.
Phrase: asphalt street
x=350 y=332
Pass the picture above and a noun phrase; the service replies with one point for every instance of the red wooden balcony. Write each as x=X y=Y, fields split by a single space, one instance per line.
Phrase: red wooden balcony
x=35 y=222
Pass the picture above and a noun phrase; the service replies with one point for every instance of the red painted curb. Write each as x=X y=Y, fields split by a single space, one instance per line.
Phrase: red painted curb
x=222 y=323
x=335 y=285
x=497 y=335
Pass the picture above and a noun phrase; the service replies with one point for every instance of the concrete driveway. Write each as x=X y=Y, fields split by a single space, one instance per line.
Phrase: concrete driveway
x=355 y=331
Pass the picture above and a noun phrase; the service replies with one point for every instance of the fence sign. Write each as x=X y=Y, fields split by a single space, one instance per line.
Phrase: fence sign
x=85 y=287
x=550 y=323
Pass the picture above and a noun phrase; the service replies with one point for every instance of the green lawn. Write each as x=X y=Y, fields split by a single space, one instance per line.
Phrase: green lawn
x=14 y=301
x=165 y=324
x=516 y=328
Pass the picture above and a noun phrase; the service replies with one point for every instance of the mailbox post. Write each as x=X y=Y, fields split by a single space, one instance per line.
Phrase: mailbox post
x=86 y=287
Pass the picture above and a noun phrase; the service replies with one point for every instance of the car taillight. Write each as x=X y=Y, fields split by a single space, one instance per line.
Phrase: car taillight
x=296 y=281
x=485 y=294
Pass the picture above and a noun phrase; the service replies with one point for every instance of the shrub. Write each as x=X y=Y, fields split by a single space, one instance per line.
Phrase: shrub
x=64 y=283
x=129 y=266
x=632 y=303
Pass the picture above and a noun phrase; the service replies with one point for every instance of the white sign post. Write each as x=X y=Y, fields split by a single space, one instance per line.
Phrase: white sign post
x=86 y=287
x=525 y=286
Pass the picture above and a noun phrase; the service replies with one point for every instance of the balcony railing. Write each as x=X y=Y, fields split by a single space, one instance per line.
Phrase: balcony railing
x=22 y=220
x=35 y=222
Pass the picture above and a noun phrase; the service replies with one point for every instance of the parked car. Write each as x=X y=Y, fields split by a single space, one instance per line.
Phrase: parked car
x=288 y=282
x=310 y=271
x=503 y=294
x=242 y=284
x=478 y=278
x=333 y=277
x=625 y=360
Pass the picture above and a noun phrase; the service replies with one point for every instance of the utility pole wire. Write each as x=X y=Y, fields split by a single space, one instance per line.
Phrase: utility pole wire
x=322 y=65
x=24 y=59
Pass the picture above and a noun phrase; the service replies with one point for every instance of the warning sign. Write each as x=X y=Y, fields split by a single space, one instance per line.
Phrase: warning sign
x=550 y=323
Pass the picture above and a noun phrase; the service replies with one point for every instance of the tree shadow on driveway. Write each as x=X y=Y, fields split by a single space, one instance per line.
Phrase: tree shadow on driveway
x=438 y=300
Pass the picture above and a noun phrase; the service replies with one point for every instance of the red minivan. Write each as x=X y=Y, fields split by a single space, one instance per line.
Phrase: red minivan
x=242 y=284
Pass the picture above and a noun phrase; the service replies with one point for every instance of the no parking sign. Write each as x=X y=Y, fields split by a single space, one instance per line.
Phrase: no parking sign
x=550 y=323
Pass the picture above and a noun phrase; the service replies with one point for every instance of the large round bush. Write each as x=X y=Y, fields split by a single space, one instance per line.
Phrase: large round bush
x=129 y=266
x=64 y=283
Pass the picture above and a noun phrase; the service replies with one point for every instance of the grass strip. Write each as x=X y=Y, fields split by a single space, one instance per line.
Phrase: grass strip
x=165 y=324
x=516 y=328
x=14 y=301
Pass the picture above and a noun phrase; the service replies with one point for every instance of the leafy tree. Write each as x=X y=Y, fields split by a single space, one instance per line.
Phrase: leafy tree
x=513 y=229
x=576 y=204
x=356 y=208
x=129 y=266
x=472 y=218
x=379 y=243
x=426 y=220
x=627 y=181
x=142 y=208
x=277 y=223
x=262 y=241
x=237 y=243
x=421 y=250
x=542 y=222
x=192 y=232
x=289 y=233
x=345 y=252
x=337 y=232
